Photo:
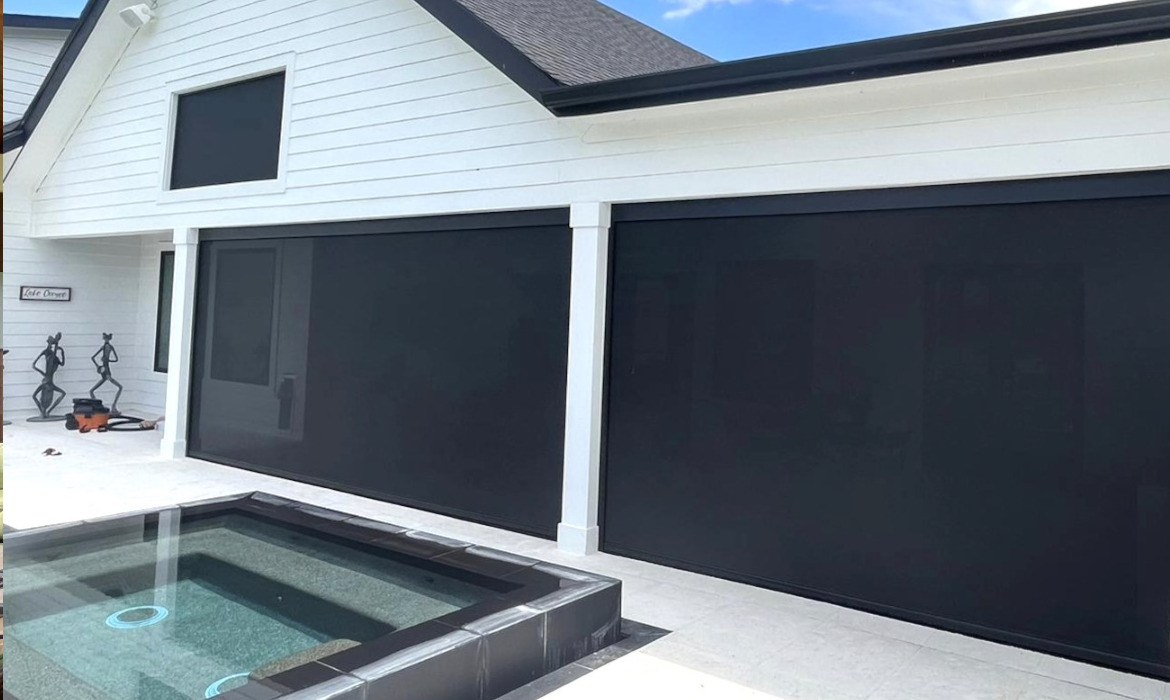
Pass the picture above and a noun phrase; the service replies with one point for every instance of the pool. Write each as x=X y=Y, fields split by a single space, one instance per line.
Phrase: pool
x=256 y=597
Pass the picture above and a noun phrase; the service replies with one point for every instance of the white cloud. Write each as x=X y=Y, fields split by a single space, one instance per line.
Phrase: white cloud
x=992 y=9
x=912 y=13
x=686 y=8
x=959 y=12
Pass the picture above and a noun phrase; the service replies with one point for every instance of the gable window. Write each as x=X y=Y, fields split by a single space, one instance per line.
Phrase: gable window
x=162 y=331
x=229 y=133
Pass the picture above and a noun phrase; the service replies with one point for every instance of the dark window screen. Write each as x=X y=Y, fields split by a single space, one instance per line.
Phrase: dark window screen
x=422 y=368
x=958 y=414
x=241 y=339
x=162 y=340
x=229 y=133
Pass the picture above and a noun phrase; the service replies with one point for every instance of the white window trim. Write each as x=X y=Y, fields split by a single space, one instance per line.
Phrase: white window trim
x=283 y=63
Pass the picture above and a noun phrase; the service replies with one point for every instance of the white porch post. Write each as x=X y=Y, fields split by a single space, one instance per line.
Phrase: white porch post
x=174 y=442
x=578 y=533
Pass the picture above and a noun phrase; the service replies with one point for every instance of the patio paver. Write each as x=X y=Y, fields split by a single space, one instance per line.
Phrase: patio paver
x=731 y=641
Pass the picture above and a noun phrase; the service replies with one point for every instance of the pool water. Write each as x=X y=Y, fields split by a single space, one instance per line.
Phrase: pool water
x=208 y=636
x=191 y=610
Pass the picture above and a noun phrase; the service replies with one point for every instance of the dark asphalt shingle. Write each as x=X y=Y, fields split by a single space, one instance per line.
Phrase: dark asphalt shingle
x=583 y=41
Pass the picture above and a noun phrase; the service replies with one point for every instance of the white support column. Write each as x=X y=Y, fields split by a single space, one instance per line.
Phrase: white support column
x=174 y=442
x=578 y=533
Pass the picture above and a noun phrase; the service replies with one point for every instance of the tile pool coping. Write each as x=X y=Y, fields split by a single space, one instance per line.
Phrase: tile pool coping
x=539 y=618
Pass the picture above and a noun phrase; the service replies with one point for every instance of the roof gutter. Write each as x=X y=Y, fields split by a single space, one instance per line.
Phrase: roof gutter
x=1077 y=30
x=38 y=22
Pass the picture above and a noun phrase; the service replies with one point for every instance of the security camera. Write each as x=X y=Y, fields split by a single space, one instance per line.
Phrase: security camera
x=137 y=16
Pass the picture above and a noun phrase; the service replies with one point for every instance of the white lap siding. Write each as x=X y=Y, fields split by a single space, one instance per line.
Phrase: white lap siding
x=28 y=54
x=393 y=115
x=107 y=277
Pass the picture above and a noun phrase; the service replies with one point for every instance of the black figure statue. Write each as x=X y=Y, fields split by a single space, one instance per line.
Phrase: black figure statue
x=54 y=357
x=109 y=355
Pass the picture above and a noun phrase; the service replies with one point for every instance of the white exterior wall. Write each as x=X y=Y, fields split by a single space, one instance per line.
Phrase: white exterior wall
x=393 y=115
x=108 y=277
x=28 y=55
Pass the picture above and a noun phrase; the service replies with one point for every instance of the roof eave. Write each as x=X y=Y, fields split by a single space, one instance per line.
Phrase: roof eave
x=16 y=21
x=14 y=136
x=519 y=68
x=1144 y=20
x=74 y=43
x=1063 y=32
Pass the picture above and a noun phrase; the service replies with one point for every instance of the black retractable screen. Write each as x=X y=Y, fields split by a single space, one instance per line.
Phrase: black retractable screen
x=423 y=368
x=954 y=415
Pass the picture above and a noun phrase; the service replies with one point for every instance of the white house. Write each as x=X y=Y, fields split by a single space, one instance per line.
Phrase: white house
x=31 y=43
x=882 y=324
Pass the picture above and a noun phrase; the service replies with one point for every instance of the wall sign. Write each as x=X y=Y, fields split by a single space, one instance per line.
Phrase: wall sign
x=46 y=293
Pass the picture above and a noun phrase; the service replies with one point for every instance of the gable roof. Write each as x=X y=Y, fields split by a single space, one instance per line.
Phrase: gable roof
x=47 y=34
x=580 y=57
x=583 y=41
x=16 y=133
x=990 y=42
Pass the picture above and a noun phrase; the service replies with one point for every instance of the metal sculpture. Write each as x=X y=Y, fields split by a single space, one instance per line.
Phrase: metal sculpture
x=54 y=357
x=109 y=356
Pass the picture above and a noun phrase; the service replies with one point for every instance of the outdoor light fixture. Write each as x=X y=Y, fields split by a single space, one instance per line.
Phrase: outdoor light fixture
x=137 y=16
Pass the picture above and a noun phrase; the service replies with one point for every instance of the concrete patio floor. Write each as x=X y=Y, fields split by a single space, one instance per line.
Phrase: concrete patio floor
x=730 y=641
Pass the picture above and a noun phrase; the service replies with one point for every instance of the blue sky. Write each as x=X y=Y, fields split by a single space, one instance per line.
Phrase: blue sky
x=730 y=29
x=55 y=8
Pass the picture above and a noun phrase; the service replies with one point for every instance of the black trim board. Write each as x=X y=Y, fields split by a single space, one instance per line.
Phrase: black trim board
x=1028 y=37
x=487 y=43
x=414 y=224
x=17 y=133
x=1076 y=30
x=14 y=21
x=1151 y=183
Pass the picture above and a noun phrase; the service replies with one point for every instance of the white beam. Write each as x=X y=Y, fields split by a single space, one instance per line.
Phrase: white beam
x=578 y=531
x=174 y=442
